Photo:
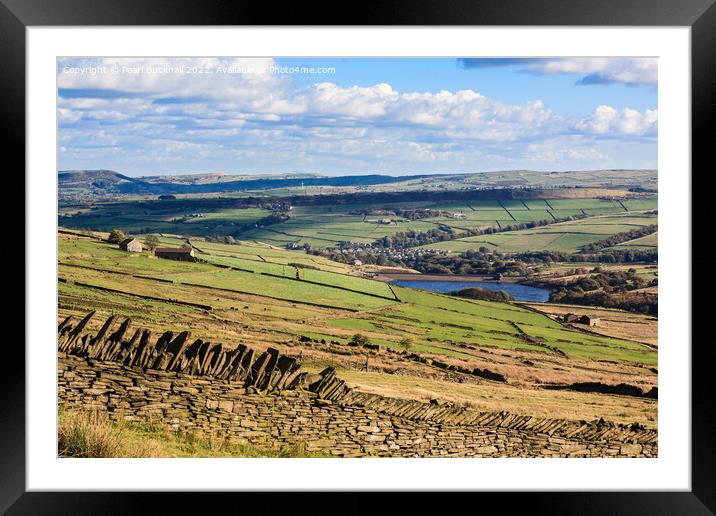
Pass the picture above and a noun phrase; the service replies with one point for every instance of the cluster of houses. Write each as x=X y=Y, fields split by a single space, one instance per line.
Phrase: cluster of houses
x=393 y=252
x=183 y=254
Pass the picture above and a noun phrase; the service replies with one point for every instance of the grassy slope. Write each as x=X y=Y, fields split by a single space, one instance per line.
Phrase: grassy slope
x=322 y=226
x=108 y=258
x=463 y=332
x=564 y=236
x=134 y=217
x=613 y=322
x=502 y=325
x=517 y=399
x=438 y=323
x=646 y=242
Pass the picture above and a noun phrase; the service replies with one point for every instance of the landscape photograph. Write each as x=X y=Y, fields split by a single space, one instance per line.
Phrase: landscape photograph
x=357 y=257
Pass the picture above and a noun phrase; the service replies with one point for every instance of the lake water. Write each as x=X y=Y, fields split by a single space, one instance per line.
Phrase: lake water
x=517 y=291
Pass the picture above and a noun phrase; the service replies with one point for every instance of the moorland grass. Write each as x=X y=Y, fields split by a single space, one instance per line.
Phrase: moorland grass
x=439 y=323
x=91 y=434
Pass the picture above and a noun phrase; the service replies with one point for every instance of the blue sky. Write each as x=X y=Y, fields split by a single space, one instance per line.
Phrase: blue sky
x=356 y=115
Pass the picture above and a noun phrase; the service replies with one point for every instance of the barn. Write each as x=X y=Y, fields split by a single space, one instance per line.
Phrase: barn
x=131 y=245
x=182 y=254
x=589 y=320
x=570 y=318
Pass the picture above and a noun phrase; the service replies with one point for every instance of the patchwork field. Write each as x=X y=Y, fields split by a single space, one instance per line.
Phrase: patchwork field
x=316 y=315
x=160 y=217
x=322 y=226
x=109 y=264
x=328 y=225
x=564 y=236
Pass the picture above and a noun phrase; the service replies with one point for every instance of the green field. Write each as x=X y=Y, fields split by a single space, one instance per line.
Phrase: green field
x=106 y=257
x=645 y=242
x=322 y=226
x=328 y=225
x=152 y=217
x=564 y=236
x=252 y=252
x=315 y=317
x=437 y=322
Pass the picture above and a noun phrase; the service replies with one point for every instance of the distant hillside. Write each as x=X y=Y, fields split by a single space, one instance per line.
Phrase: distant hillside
x=218 y=177
x=91 y=179
x=107 y=182
x=102 y=183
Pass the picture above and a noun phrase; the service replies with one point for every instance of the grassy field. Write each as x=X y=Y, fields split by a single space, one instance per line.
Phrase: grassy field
x=74 y=255
x=292 y=265
x=153 y=217
x=316 y=320
x=613 y=323
x=564 y=236
x=425 y=315
x=646 y=242
x=447 y=320
x=262 y=252
x=328 y=225
x=489 y=397
x=322 y=226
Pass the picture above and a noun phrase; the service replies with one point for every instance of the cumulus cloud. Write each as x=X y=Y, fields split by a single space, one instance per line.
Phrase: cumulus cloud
x=629 y=122
x=274 y=122
x=267 y=98
x=595 y=70
x=211 y=77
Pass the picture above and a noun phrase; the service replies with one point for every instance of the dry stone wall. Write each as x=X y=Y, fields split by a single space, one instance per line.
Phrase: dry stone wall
x=264 y=399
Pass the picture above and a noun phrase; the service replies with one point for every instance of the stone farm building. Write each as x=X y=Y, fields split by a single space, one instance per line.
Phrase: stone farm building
x=184 y=254
x=589 y=320
x=131 y=245
x=570 y=318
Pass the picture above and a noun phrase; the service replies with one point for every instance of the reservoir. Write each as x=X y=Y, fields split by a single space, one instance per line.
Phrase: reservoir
x=517 y=291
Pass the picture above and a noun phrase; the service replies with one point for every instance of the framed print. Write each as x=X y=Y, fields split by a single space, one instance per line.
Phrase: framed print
x=414 y=252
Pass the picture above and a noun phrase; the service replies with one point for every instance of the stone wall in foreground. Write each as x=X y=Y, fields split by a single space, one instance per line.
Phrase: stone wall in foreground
x=264 y=404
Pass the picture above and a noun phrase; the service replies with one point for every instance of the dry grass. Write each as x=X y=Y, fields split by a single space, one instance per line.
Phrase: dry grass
x=91 y=434
x=613 y=323
x=261 y=322
x=491 y=396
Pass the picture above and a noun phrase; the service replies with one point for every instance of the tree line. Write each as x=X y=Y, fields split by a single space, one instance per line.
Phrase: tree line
x=618 y=238
x=482 y=261
x=442 y=233
x=610 y=289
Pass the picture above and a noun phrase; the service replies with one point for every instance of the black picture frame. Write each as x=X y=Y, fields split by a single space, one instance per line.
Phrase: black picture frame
x=17 y=15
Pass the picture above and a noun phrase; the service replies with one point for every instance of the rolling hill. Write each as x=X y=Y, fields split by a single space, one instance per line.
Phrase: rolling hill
x=101 y=183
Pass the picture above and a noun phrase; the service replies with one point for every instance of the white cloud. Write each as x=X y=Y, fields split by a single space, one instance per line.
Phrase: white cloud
x=595 y=70
x=357 y=102
x=171 y=75
x=637 y=70
x=275 y=121
x=628 y=122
